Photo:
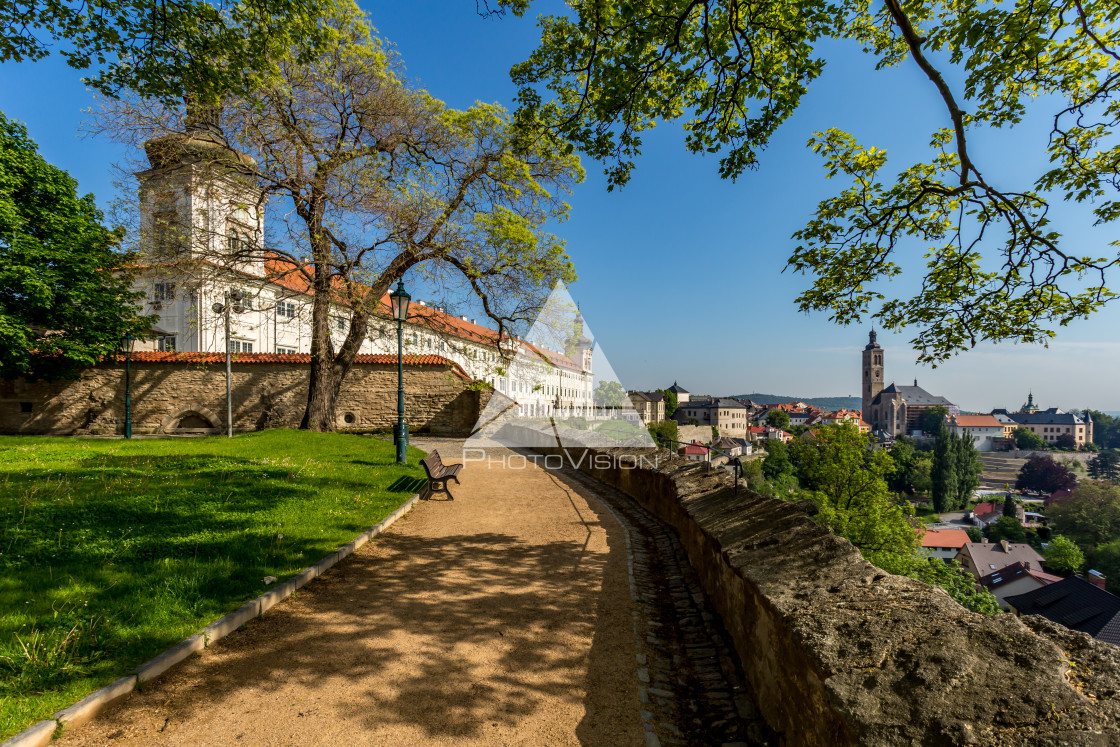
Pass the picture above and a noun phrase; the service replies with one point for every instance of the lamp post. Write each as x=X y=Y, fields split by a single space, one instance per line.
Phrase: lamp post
x=224 y=309
x=127 y=343
x=399 y=299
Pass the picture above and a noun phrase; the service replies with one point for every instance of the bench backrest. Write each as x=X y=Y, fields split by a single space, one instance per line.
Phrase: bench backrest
x=432 y=462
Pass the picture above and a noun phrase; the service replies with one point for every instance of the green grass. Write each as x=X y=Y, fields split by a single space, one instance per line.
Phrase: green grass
x=112 y=550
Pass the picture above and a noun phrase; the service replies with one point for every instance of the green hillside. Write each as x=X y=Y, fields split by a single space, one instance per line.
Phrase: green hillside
x=824 y=403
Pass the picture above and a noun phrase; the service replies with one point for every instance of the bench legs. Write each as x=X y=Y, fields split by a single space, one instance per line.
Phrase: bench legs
x=438 y=485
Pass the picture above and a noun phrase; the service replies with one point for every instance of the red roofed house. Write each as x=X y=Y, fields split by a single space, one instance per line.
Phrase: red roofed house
x=983 y=429
x=695 y=452
x=989 y=512
x=944 y=543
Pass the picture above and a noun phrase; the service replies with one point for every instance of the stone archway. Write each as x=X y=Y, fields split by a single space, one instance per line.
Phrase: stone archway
x=191 y=419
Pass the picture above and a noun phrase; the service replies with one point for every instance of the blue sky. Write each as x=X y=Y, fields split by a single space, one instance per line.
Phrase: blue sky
x=680 y=273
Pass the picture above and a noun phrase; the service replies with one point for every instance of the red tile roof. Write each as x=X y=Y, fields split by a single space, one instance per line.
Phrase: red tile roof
x=150 y=356
x=978 y=421
x=945 y=538
x=983 y=509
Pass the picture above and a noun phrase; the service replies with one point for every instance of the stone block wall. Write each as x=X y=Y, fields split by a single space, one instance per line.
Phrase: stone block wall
x=837 y=652
x=185 y=398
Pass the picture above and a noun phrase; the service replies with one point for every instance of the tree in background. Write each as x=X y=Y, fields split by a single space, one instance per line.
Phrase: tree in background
x=671 y=403
x=966 y=462
x=1063 y=555
x=1009 y=507
x=933 y=420
x=665 y=433
x=1028 y=440
x=1090 y=517
x=1065 y=441
x=62 y=305
x=1105 y=466
x=609 y=394
x=1007 y=528
x=379 y=180
x=943 y=473
x=1106 y=559
x=995 y=266
x=911 y=474
x=1042 y=474
x=776 y=465
x=161 y=49
x=777 y=419
x=975 y=534
x=1106 y=429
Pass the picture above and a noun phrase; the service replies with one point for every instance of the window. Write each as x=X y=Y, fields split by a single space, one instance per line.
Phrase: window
x=164 y=292
x=286 y=351
x=166 y=344
x=340 y=323
x=238 y=346
x=286 y=310
x=238 y=241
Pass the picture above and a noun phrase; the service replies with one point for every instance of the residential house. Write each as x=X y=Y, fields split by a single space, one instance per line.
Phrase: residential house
x=845 y=416
x=1017 y=578
x=989 y=512
x=982 y=429
x=1076 y=604
x=695 y=452
x=985 y=558
x=732 y=447
x=944 y=543
x=681 y=392
x=650 y=406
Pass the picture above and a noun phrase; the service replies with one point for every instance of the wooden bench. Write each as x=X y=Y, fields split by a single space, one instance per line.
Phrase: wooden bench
x=438 y=475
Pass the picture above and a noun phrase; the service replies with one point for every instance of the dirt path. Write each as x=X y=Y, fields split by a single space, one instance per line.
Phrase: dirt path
x=503 y=617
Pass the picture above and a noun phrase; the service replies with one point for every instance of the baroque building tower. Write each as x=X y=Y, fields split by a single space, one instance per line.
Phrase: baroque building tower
x=872 y=374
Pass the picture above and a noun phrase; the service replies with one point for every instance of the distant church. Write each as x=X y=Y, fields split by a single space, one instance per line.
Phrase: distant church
x=895 y=410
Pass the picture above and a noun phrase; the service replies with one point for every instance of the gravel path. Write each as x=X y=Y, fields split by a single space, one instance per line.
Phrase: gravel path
x=536 y=608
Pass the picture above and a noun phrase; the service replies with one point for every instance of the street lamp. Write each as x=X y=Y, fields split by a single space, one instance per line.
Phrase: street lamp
x=399 y=299
x=127 y=343
x=224 y=309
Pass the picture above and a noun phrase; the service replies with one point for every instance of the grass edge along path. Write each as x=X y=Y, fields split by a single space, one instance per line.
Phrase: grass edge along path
x=114 y=550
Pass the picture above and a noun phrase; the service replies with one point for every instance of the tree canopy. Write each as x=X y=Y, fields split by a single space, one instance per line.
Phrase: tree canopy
x=62 y=306
x=994 y=266
x=1027 y=439
x=1063 y=555
x=777 y=419
x=1043 y=475
x=163 y=49
x=1105 y=466
x=1091 y=516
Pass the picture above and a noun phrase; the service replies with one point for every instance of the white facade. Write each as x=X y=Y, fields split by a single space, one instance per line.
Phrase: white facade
x=275 y=317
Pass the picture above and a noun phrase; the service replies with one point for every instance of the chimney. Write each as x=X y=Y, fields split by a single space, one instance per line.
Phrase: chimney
x=1096 y=578
x=984 y=541
x=420 y=302
x=1004 y=544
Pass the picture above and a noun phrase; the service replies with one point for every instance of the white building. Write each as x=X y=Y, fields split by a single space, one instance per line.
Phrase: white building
x=188 y=211
x=982 y=429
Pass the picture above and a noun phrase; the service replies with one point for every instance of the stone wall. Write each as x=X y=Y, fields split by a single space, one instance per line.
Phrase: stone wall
x=837 y=652
x=190 y=397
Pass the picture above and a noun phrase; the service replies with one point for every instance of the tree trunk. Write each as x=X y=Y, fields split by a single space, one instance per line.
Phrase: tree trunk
x=322 y=393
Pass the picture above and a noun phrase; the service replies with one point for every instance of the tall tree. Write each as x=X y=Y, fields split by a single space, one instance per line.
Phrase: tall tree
x=777 y=419
x=609 y=394
x=671 y=403
x=379 y=179
x=160 y=49
x=62 y=307
x=1042 y=474
x=994 y=266
x=966 y=463
x=943 y=473
x=1027 y=439
x=1009 y=507
x=933 y=420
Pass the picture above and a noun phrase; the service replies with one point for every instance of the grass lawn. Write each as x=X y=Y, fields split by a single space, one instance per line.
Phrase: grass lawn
x=112 y=550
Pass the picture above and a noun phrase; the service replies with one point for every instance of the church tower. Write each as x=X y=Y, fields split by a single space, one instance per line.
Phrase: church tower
x=872 y=375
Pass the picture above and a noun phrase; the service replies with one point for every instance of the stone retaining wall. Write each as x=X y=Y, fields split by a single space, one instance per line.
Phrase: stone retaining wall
x=838 y=652
x=169 y=398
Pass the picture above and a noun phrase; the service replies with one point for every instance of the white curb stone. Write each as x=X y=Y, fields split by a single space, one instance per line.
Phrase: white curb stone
x=33 y=736
x=153 y=668
x=89 y=706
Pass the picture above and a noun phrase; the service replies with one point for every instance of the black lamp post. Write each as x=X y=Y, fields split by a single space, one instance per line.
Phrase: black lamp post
x=127 y=343
x=400 y=298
